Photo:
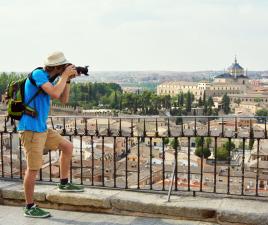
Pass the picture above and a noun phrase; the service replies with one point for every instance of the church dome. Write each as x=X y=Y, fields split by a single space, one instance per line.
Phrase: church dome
x=235 y=69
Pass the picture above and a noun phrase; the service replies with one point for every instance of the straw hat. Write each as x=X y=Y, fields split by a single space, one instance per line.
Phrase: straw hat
x=55 y=59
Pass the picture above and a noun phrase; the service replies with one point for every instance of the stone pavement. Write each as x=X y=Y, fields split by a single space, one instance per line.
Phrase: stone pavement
x=10 y=215
x=212 y=209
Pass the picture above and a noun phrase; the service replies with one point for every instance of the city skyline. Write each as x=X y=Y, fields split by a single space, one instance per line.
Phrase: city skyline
x=165 y=35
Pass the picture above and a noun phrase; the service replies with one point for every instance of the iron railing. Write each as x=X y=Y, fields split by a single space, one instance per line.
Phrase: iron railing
x=141 y=153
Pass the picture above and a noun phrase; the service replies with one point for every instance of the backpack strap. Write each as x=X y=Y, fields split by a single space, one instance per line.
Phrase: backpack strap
x=31 y=78
x=34 y=96
x=28 y=110
x=51 y=79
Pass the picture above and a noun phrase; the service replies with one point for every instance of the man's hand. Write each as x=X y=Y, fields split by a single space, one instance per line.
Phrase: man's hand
x=70 y=72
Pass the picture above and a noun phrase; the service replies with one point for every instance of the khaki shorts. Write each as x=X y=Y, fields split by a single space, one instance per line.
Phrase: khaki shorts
x=35 y=143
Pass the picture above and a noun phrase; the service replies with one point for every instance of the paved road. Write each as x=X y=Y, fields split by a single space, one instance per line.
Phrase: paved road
x=10 y=215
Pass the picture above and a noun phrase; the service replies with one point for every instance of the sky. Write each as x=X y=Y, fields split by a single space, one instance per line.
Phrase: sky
x=119 y=35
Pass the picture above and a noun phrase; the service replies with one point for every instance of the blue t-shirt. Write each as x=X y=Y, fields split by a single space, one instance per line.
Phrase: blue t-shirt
x=41 y=103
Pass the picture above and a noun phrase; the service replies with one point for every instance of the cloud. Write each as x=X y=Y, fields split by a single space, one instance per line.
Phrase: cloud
x=135 y=34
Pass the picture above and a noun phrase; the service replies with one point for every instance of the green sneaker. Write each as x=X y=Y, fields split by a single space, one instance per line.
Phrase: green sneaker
x=36 y=212
x=70 y=188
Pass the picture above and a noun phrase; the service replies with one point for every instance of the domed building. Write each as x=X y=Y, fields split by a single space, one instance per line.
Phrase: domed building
x=235 y=74
x=233 y=82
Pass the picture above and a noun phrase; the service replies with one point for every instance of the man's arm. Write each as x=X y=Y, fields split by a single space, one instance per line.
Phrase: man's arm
x=64 y=98
x=57 y=90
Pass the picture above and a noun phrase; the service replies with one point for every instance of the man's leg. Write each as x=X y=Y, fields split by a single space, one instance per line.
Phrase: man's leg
x=56 y=141
x=66 y=148
x=29 y=182
x=33 y=146
x=32 y=210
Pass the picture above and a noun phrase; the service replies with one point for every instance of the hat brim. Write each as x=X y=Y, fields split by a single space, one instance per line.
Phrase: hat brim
x=57 y=63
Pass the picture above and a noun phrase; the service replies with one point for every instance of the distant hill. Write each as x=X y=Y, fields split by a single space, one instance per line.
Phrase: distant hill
x=134 y=78
x=150 y=79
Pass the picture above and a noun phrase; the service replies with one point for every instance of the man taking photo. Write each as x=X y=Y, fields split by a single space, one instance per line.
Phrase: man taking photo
x=34 y=134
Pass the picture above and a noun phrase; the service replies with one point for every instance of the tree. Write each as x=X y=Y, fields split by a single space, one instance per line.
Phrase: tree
x=200 y=102
x=179 y=118
x=155 y=103
x=174 y=102
x=115 y=101
x=251 y=139
x=90 y=95
x=128 y=102
x=229 y=145
x=205 y=153
x=251 y=143
x=222 y=154
x=205 y=108
x=208 y=142
x=174 y=143
x=180 y=99
x=226 y=103
x=199 y=141
x=120 y=103
x=167 y=100
x=210 y=104
x=178 y=121
x=204 y=97
x=166 y=140
x=261 y=113
x=189 y=101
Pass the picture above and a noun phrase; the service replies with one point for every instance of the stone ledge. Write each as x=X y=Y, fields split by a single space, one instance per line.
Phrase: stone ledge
x=91 y=198
x=221 y=210
x=243 y=211
x=16 y=192
x=182 y=207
